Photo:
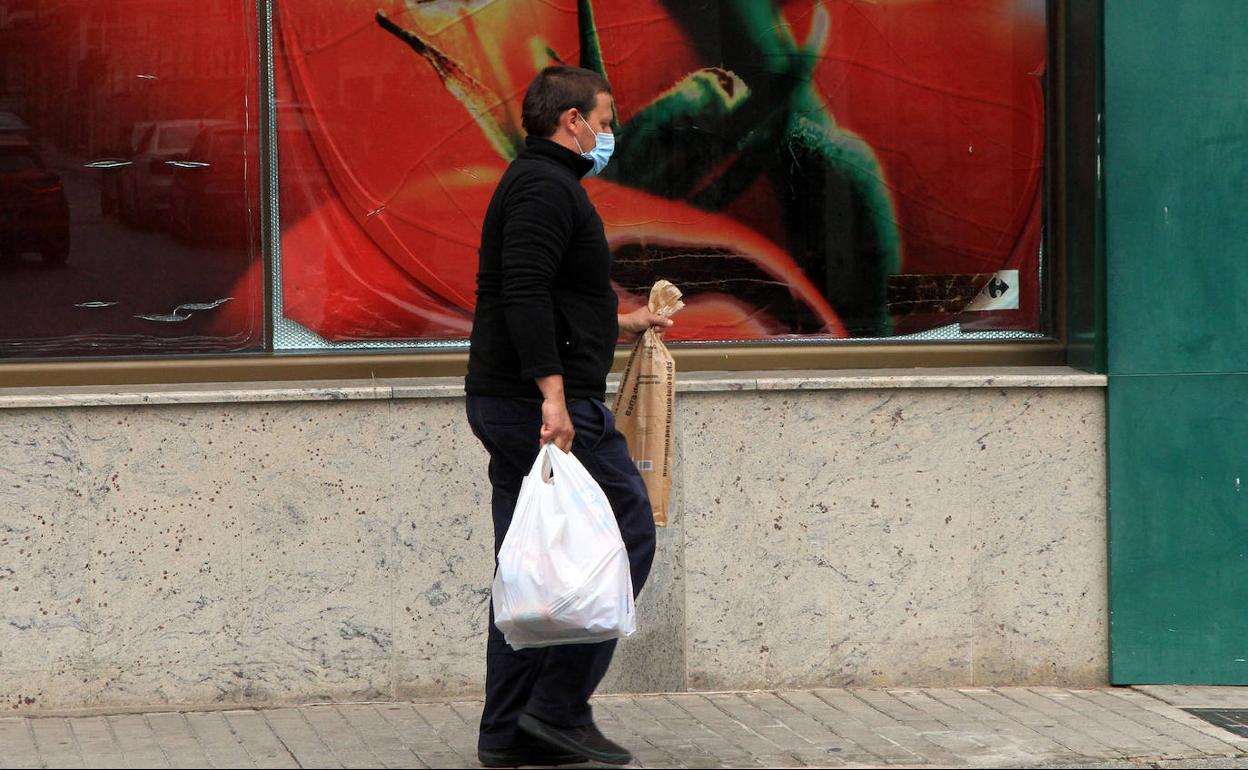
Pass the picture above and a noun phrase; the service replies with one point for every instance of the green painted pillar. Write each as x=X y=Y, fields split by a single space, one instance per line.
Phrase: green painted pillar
x=1176 y=283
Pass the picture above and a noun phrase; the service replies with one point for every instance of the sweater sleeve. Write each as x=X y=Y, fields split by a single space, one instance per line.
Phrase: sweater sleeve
x=539 y=218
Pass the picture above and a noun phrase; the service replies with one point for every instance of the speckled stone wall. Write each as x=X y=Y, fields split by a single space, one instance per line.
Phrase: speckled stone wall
x=340 y=550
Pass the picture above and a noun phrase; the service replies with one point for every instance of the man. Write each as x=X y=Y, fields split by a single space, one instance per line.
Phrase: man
x=543 y=338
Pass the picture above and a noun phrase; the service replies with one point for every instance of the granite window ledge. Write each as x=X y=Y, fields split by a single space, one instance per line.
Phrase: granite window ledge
x=452 y=387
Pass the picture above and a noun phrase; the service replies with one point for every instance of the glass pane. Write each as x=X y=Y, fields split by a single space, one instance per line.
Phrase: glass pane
x=802 y=170
x=129 y=178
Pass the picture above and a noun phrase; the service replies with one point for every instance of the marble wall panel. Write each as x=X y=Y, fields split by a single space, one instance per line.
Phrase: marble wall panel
x=900 y=533
x=758 y=607
x=46 y=509
x=653 y=659
x=1041 y=607
x=444 y=549
x=316 y=556
x=934 y=507
x=295 y=551
x=164 y=576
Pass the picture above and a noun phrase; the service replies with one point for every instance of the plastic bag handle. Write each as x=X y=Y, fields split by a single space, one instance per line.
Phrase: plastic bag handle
x=548 y=473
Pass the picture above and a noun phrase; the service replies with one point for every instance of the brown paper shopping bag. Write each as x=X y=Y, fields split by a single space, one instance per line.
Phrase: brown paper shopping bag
x=644 y=406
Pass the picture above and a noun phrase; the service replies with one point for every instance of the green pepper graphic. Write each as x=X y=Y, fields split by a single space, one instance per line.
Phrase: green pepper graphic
x=718 y=130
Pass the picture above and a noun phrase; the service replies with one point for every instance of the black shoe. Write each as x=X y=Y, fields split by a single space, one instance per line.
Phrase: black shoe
x=585 y=740
x=530 y=752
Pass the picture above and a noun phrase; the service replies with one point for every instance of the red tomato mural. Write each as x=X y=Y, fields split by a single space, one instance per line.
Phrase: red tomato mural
x=832 y=168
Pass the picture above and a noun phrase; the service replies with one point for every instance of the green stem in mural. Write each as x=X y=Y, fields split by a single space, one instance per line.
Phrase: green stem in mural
x=675 y=141
x=591 y=47
x=834 y=187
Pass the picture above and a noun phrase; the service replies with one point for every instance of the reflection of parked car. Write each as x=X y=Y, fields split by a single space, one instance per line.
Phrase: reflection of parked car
x=146 y=181
x=113 y=170
x=208 y=194
x=34 y=215
x=10 y=124
x=110 y=182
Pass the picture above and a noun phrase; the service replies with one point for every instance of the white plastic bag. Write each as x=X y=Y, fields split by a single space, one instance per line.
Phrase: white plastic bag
x=563 y=575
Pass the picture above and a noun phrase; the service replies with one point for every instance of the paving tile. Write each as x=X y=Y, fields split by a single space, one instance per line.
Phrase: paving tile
x=18 y=743
x=842 y=743
x=95 y=741
x=299 y=737
x=261 y=743
x=703 y=743
x=176 y=740
x=1007 y=733
x=338 y=734
x=884 y=726
x=993 y=707
x=137 y=741
x=380 y=737
x=418 y=735
x=218 y=740
x=1116 y=744
x=1144 y=702
x=739 y=743
x=1188 y=696
x=54 y=739
x=451 y=726
x=1188 y=738
x=622 y=720
x=1138 y=740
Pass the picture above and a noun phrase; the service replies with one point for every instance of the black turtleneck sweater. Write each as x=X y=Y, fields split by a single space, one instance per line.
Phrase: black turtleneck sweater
x=545 y=304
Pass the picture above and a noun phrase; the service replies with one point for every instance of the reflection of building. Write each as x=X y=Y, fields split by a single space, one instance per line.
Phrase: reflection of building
x=16 y=20
x=85 y=72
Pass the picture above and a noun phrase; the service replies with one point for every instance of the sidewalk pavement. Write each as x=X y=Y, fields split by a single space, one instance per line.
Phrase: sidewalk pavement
x=962 y=727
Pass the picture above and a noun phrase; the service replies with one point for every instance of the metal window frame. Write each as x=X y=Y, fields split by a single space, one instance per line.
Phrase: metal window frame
x=779 y=355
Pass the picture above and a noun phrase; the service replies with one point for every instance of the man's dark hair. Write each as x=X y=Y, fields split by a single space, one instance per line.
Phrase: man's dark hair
x=560 y=88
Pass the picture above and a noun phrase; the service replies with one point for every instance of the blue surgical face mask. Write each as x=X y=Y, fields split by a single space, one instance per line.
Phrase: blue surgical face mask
x=601 y=153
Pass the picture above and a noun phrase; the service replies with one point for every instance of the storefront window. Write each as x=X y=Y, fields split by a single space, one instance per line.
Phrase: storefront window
x=802 y=170
x=129 y=178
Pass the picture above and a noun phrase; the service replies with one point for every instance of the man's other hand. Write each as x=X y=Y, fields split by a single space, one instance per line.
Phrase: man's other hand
x=634 y=324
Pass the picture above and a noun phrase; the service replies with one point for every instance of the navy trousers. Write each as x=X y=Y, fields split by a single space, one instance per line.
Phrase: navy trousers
x=553 y=684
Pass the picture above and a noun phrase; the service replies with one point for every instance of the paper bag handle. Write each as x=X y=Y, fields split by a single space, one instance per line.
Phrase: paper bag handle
x=665 y=299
